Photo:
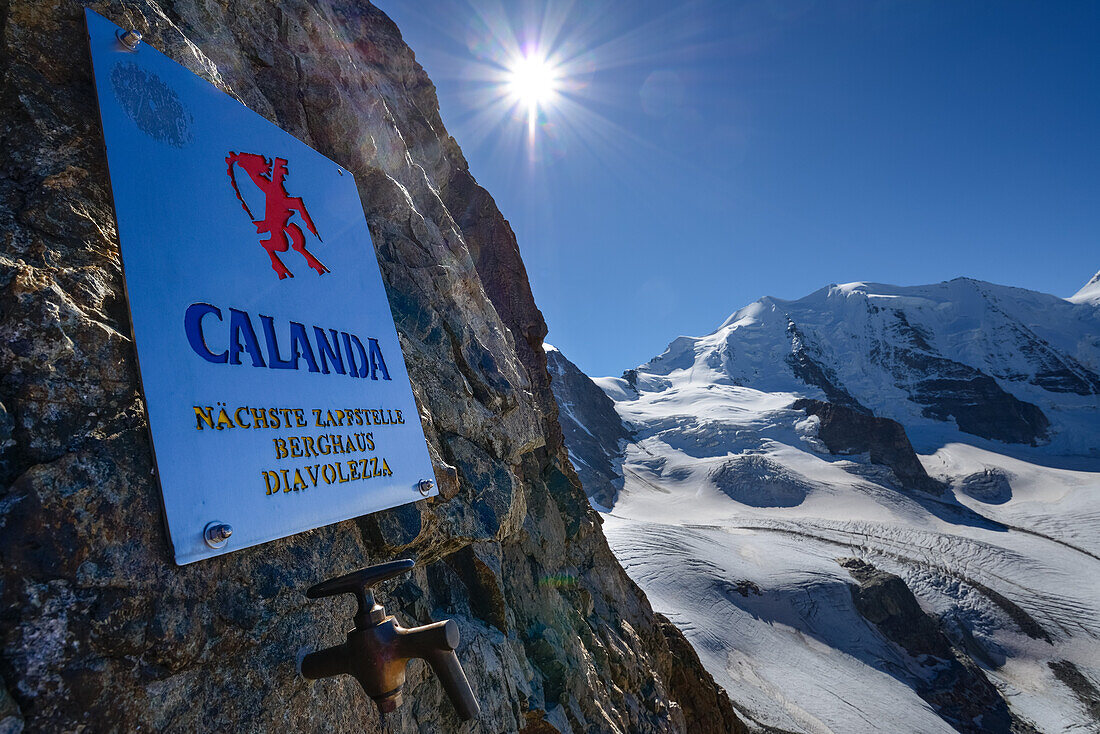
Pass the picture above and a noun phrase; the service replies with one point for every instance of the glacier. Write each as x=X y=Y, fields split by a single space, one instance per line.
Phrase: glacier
x=826 y=590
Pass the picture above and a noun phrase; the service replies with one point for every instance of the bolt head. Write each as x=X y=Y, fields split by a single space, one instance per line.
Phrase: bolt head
x=425 y=486
x=216 y=534
x=131 y=39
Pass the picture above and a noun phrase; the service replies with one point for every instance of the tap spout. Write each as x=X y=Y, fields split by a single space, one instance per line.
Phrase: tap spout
x=450 y=674
x=436 y=643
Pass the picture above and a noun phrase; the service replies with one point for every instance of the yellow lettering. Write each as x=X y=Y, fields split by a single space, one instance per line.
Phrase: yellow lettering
x=300 y=417
x=307 y=446
x=317 y=416
x=353 y=469
x=386 y=471
x=268 y=476
x=237 y=417
x=223 y=420
x=273 y=416
x=204 y=415
x=295 y=447
x=323 y=450
x=370 y=441
x=399 y=418
x=299 y=483
x=329 y=473
x=314 y=472
x=259 y=418
x=280 y=448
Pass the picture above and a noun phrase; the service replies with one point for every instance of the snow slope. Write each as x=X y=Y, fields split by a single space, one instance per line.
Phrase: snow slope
x=733 y=515
x=1090 y=293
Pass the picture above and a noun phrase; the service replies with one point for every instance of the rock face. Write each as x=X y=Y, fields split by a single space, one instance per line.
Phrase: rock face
x=848 y=431
x=954 y=686
x=98 y=629
x=591 y=427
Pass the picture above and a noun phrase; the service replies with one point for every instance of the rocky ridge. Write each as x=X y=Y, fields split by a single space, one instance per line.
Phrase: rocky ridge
x=592 y=429
x=847 y=431
x=949 y=681
x=98 y=629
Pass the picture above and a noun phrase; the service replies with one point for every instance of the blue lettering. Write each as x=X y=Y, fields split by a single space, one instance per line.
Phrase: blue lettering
x=339 y=351
x=277 y=362
x=240 y=325
x=192 y=325
x=353 y=369
x=376 y=361
x=300 y=346
x=327 y=352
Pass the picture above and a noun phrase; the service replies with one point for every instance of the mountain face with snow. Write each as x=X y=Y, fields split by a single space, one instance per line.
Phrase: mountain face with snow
x=1001 y=363
x=594 y=432
x=1090 y=293
x=874 y=508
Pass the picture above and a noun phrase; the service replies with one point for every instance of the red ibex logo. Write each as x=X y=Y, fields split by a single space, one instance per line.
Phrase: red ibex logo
x=279 y=206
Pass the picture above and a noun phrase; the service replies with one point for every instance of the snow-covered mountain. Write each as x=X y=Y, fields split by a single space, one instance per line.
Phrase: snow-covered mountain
x=1090 y=293
x=872 y=509
x=1001 y=363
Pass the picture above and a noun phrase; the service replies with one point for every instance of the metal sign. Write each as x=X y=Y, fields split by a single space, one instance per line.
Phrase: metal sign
x=276 y=391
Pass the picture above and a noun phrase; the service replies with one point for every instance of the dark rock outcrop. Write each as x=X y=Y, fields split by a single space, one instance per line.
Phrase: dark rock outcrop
x=592 y=427
x=98 y=629
x=950 y=682
x=844 y=430
x=807 y=365
x=1084 y=689
x=947 y=389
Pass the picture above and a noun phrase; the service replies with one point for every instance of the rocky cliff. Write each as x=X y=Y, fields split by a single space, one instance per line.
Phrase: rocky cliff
x=592 y=429
x=99 y=631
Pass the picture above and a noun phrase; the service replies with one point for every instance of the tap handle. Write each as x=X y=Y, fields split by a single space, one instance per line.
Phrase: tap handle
x=359 y=583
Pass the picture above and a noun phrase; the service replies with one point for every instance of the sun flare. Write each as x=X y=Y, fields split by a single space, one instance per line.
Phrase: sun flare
x=532 y=81
x=531 y=78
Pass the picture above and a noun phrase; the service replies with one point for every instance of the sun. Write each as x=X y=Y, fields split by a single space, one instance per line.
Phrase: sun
x=532 y=81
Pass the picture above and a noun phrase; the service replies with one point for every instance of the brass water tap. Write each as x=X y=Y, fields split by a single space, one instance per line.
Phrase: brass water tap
x=378 y=649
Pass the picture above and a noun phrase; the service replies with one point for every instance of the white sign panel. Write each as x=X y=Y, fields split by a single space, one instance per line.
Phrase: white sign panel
x=275 y=386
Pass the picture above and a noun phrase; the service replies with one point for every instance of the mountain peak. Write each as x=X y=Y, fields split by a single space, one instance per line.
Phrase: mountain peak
x=1090 y=293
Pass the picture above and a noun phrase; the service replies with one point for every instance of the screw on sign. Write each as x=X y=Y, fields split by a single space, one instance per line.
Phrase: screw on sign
x=279 y=206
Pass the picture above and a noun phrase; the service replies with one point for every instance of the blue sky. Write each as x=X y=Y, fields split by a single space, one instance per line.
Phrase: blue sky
x=704 y=154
